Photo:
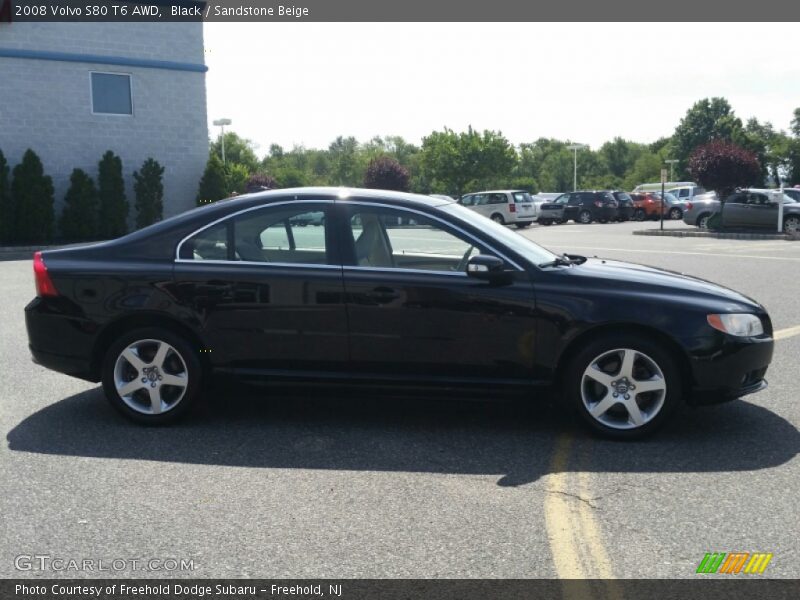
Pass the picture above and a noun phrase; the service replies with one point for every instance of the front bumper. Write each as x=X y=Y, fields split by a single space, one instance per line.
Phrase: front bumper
x=725 y=367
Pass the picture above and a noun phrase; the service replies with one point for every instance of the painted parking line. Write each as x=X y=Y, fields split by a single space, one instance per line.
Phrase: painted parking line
x=732 y=255
x=782 y=334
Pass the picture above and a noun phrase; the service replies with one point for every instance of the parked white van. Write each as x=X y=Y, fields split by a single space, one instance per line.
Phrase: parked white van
x=507 y=207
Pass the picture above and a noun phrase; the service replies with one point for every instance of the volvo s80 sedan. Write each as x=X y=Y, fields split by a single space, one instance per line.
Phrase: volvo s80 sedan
x=389 y=288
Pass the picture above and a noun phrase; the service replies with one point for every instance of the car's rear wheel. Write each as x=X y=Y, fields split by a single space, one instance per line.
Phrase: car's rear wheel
x=639 y=214
x=151 y=375
x=702 y=220
x=791 y=225
x=676 y=214
x=544 y=222
x=623 y=386
x=585 y=217
x=498 y=218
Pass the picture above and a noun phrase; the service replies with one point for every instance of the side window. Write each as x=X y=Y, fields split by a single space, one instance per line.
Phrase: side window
x=282 y=234
x=467 y=200
x=394 y=238
x=737 y=198
x=574 y=200
x=497 y=199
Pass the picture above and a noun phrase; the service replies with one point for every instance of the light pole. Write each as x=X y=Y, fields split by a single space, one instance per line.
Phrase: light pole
x=671 y=162
x=575 y=148
x=221 y=123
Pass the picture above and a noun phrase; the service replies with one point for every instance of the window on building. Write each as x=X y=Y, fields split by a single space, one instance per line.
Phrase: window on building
x=111 y=94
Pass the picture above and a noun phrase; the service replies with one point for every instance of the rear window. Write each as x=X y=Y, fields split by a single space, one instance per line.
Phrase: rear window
x=623 y=197
x=522 y=197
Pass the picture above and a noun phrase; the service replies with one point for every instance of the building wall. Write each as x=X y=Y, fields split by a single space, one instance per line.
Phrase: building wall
x=46 y=105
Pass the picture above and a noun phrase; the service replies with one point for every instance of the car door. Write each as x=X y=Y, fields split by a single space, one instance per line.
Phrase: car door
x=761 y=212
x=414 y=313
x=572 y=207
x=735 y=210
x=265 y=287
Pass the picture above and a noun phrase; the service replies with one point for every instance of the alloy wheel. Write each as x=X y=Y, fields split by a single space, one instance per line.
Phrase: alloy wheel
x=791 y=225
x=150 y=376
x=498 y=219
x=623 y=389
x=702 y=222
x=585 y=217
x=675 y=214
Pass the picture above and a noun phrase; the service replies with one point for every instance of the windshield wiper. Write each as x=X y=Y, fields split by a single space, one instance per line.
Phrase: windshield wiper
x=564 y=260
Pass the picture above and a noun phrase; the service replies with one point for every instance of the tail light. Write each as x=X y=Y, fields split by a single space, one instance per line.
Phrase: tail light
x=688 y=206
x=512 y=207
x=598 y=203
x=44 y=285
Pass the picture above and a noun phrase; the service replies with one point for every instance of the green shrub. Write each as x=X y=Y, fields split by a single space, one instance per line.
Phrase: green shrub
x=149 y=191
x=32 y=201
x=213 y=184
x=79 y=217
x=113 y=214
x=6 y=215
x=236 y=176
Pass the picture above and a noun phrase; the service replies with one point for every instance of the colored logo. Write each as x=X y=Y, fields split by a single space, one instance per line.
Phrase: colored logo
x=733 y=563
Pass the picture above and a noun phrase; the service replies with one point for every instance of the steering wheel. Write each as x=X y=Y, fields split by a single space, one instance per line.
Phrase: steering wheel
x=462 y=264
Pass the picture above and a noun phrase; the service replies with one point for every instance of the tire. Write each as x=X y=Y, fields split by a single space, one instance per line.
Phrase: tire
x=602 y=361
x=639 y=215
x=544 y=222
x=179 y=364
x=584 y=217
x=522 y=225
x=498 y=218
x=604 y=221
x=791 y=224
x=676 y=214
x=702 y=220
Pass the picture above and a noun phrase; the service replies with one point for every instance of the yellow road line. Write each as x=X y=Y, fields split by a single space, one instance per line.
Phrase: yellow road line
x=782 y=334
x=561 y=523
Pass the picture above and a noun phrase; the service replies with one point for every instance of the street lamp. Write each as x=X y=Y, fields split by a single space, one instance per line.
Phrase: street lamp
x=671 y=162
x=221 y=123
x=575 y=148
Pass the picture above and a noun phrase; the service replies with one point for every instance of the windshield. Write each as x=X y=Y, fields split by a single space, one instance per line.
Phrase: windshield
x=514 y=241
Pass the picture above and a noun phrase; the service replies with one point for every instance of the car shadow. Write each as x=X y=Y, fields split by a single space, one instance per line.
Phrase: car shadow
x=292 y=429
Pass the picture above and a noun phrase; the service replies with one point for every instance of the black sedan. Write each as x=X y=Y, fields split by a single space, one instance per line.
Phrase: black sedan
x=390 y=289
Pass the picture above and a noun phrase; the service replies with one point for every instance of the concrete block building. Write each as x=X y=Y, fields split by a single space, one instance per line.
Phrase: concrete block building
x=72 y=91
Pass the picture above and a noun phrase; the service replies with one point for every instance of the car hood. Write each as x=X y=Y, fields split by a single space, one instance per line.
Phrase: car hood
x=632 y=277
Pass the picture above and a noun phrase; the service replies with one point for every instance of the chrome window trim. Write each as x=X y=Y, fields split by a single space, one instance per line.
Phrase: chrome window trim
x=404 y=270
x=479 y=242
x=236 y=214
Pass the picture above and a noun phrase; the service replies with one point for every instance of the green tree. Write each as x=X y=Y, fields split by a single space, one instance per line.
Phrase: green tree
x=213 y=184
x=453 y=162
x=32 y=201
x=6 y=214
x=646 y=169
x=236 y=176
x=113 y=213
x=148 y=188
x=237 y=150
x=79 y=216
x=344 y=161
x=708 y=119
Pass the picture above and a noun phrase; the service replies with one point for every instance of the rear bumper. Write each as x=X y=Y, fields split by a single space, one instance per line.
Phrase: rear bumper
x=59 y=341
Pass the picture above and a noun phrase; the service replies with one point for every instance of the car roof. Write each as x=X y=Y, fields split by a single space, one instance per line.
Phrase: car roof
x=498 y=192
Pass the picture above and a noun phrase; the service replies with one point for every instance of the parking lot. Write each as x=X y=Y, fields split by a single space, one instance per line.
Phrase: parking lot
x=331 y=485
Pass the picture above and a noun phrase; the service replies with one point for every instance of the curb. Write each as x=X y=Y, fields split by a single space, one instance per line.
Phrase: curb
x=720 y=236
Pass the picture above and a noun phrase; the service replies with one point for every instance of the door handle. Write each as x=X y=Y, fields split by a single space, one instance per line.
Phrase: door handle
x=383 y=295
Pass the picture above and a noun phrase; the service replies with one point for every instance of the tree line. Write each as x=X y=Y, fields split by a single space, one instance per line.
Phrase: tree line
x=454 y=163
x=92 y=211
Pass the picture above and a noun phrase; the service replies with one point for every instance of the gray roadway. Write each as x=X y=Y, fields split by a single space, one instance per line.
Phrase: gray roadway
x=322 y=485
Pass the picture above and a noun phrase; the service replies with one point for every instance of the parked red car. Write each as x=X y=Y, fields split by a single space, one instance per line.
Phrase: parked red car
x=647 y=205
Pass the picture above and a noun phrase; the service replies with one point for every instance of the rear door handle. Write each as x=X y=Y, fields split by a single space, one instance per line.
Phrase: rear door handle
x=383 y=295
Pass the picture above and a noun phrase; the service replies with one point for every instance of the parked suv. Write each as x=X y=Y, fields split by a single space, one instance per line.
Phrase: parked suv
x=585 y=207
x=507 y=207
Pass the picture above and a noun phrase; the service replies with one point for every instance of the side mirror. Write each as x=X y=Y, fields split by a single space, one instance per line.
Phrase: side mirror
x=483 y=266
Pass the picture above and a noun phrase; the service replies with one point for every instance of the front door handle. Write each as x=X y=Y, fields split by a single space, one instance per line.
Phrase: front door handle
x=383 y=295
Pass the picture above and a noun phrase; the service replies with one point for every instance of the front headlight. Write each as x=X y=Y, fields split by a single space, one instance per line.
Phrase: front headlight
x=741 y=324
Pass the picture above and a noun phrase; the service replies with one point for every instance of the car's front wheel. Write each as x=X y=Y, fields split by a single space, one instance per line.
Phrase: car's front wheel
x=675 y=214
x=639 y=215
x=585 y=217
x=623 y=386
x=151 y=375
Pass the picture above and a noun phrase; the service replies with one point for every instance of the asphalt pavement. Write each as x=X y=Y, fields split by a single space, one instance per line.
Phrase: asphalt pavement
x=325 y=485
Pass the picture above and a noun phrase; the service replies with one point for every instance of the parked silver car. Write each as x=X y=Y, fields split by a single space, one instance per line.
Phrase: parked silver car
x=507 y=207
x=752 y=208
